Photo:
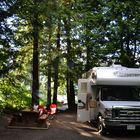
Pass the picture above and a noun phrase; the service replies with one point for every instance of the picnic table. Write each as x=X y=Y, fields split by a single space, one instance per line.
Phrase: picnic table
x=39 y=117
x=30 y=116
x=30 y=119
x=35 y=116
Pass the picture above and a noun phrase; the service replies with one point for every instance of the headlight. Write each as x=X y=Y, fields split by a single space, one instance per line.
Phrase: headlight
x=108 y=113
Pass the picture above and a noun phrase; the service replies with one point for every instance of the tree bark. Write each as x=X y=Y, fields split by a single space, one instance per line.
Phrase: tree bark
x=49 y=86
x=56 y=66
x=49 y=63
x=88 y=58
x=70 y=86
x=35 y=71
x=70 y=94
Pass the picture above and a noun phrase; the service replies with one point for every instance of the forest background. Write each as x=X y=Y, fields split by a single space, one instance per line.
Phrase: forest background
x=45 y=46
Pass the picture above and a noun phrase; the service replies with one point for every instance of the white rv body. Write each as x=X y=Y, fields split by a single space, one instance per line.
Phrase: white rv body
x=111 y=112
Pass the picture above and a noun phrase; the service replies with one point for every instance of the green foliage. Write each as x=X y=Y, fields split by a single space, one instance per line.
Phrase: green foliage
x=92 y=33
x=7 y=53
x=13 y=94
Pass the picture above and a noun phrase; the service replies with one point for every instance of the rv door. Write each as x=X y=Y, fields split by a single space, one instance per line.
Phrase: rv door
x=83 y=112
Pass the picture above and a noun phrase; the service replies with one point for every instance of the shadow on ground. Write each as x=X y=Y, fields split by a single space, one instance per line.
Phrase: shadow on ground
x=63 y=127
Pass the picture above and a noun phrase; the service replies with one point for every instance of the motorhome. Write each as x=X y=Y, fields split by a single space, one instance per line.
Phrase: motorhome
x=110 y=96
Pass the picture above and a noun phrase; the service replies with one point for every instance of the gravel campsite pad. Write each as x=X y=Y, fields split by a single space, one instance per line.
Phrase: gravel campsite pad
x=63 y=127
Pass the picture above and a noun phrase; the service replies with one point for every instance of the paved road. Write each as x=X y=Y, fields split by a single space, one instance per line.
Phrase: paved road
x=64 y=127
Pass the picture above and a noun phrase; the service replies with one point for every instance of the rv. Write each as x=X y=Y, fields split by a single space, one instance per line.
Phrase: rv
x=110 y=96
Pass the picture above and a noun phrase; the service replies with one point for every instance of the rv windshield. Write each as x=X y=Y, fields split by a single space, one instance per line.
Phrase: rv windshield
x=120 y=93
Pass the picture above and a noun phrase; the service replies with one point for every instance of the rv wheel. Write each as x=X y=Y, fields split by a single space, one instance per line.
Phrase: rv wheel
x=101 y=129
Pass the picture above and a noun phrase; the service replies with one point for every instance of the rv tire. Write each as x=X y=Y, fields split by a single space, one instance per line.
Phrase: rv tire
x=101 y=129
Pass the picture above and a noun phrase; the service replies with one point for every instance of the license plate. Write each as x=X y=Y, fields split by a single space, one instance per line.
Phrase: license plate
x=131 y=127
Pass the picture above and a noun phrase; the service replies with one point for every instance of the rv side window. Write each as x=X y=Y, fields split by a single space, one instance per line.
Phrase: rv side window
x=83 y=87
x=98 y=94
x=97 y=98
x=95 y=92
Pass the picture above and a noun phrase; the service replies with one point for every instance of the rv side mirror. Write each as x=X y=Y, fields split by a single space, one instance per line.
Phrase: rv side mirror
x=79 y=101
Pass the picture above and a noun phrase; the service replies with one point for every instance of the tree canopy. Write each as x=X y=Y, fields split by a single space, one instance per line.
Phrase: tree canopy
x=46 y=45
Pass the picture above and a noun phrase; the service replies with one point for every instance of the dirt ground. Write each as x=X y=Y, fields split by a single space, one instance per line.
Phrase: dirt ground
x=63 y=127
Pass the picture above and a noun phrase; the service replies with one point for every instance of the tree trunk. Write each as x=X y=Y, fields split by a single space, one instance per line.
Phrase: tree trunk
x=56 y=66
x=35 y=71
x=49 y=86
x=70 y=86
x=49 y=63
x=122 y=52
x=88 y=58
x=135 y=49
x=70 y=94
x=55 y=80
